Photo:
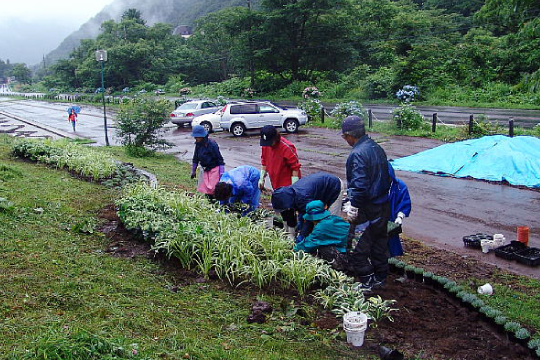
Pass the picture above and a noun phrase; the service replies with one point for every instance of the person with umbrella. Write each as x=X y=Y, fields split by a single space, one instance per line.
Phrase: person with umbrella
x=72 y=115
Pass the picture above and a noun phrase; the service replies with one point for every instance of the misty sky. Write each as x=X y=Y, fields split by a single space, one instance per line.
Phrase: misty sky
x=30 y=29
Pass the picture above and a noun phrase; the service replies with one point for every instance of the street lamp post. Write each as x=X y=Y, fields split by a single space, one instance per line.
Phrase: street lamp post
x=101 y=57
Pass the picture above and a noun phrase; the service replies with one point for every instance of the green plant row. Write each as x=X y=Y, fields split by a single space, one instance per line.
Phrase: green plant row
x=236 y=248
x=77 y=158
x=201 y=236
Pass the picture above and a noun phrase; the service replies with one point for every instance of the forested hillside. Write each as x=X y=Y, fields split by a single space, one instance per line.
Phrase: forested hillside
x=174 y=12
x=484 y=50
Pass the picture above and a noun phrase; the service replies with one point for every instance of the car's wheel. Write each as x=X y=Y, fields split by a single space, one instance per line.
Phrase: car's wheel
x=290 y=125
x=207 y=126
x=238 y=129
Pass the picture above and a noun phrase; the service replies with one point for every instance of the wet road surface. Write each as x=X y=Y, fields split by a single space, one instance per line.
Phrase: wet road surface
x=444 y=209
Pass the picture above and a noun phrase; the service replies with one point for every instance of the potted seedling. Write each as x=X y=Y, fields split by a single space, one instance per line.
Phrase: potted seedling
x=533 y=345
x=454 y=290
x=500 y=321
x=511 y=327
x=491 y=314
x=435 y=282
x=442 y=281
x=477 y=304
x=409 y=271
x=448 y=286
x=392 y=264
x=467 y=300
x=400 y=267
x=522 y=336
x=428 y=278
x=419 y=274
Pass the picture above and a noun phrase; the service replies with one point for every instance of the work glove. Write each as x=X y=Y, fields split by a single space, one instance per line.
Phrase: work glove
x=346 y=206
x=193 y=170
x=261 y=179
x=294 y=179
x=399 y=218
x=352 y=213
x=221 y=170
x=299 y=239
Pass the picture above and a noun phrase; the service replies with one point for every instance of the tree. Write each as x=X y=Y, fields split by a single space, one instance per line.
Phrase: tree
x=21 y=73
x=298 y=37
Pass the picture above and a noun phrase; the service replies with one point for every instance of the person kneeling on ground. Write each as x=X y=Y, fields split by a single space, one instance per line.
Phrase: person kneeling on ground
x=329 y=236
x=239 y=185
x=294 y=198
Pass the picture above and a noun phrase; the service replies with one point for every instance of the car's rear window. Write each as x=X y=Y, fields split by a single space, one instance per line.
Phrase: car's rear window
x=187 y=106
x=244 y=109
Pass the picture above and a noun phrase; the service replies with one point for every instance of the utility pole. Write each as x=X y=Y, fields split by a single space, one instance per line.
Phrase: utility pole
x=250 y=45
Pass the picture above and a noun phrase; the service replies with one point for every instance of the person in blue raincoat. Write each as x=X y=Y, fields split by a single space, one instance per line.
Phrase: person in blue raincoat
x=400 y=203
x=294 y=198
x=329 y=236
x=239 y=185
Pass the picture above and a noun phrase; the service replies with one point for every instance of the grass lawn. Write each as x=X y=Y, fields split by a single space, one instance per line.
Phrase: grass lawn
x=61 y=294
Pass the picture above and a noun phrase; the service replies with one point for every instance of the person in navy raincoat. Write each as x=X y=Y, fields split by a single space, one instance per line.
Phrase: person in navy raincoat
x=400 y=203
x=239 y=185
x=294 y=198
x=208 y=155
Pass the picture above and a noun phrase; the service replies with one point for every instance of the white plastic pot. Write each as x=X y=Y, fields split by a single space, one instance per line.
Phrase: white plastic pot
x=355 y=325
x=485 y=289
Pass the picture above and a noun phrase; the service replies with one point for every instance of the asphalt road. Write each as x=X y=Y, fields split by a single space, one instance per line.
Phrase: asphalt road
x=444 y=209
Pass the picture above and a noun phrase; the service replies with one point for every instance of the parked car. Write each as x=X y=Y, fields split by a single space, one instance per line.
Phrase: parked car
x=241 y=116
x=210 y=122
x=126 y=89
x=159 y=92
x=185 y=113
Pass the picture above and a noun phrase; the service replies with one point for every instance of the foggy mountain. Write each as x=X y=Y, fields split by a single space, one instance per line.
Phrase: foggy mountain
x=174 y=12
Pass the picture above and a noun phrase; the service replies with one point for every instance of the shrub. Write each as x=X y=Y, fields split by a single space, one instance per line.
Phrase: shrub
x=140 y=123
x=380 y=83
x=443 y=280
x=410 y=268
x=477 y=303
x=481 y=127
x=311 y=92
x=407 y=117
x=407 y=93
x=455 y=289
x=312 y=107
x=449 y=285
x=342 y=110
x=418 y=270
x=428 y=275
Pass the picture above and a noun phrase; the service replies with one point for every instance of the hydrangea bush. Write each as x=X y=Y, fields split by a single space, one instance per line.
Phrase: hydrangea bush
x=407 y=117
x=311 y=92
x=407 y=93
x=342 y=110
x=312 y=107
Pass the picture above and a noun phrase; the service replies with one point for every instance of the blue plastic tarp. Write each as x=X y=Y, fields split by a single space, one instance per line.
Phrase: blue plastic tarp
x=493 y=158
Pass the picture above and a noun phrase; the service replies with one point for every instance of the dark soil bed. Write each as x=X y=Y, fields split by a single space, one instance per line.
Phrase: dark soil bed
x=428 y=323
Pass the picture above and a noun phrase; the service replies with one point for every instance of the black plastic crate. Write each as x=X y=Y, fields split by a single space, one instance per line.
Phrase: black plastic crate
x=509 y=251
x=528 y=256
x=473 y=241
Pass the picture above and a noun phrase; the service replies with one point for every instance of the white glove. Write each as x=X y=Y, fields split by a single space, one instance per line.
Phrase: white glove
x=352 y=214
x=399 y=218
x=261 y=179
x=346 y=207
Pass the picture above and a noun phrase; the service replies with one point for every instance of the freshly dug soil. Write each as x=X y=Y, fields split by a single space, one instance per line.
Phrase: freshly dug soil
x=428 y=323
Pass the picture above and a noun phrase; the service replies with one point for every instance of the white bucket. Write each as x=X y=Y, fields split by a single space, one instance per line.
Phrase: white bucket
x=355 y=325
x=486 y=245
